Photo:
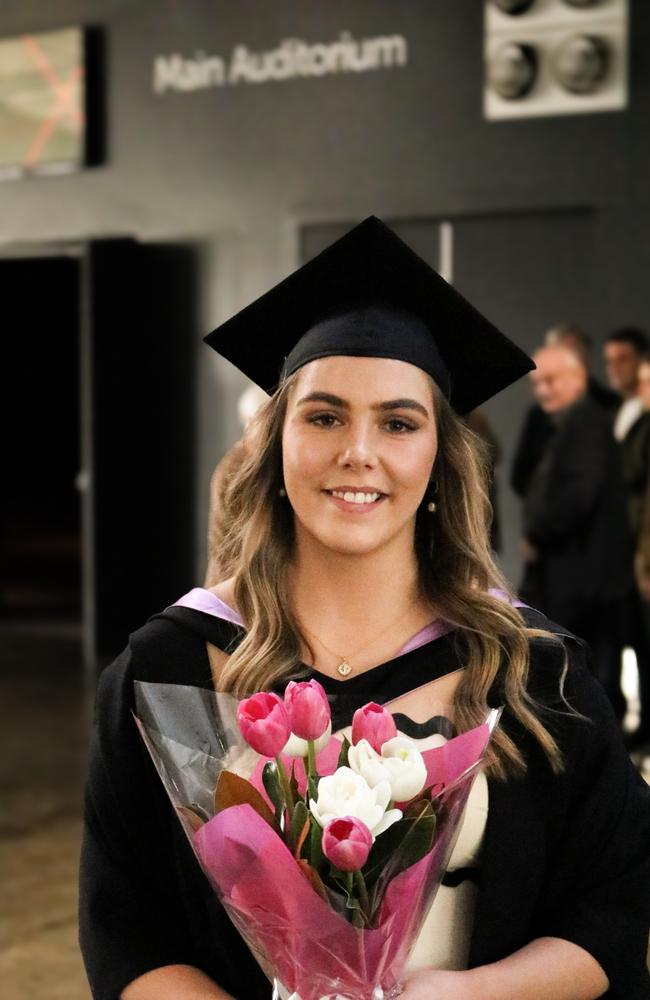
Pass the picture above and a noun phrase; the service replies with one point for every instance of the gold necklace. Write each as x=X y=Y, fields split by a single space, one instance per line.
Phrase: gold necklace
x=344 y=667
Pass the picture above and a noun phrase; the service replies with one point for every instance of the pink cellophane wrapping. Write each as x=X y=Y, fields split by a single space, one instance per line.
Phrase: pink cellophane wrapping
x=296 y=936
x=299 y=940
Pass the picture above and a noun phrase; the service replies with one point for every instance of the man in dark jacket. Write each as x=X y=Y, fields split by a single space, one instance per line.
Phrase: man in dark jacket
x=624 y=351
x=575 y=542
x=538 y=426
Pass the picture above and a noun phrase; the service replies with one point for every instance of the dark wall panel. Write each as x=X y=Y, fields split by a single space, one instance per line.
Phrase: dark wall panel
x=140 y=326
x=526 y=272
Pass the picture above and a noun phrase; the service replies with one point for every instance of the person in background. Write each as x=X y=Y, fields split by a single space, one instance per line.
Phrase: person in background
x=580 y=342
x=624 y=351
x=642 y=564
x=478 y=422
x=219 y=554
x=575 y=542
x=538 y=428
x=642 y=555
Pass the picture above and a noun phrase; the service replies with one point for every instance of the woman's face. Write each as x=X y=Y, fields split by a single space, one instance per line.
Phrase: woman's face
x=358 y=444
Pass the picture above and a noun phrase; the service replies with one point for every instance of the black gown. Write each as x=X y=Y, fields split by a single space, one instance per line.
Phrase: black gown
x=566 y=856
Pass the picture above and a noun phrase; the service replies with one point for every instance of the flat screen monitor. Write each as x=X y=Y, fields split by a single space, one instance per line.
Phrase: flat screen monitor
x=43 y=103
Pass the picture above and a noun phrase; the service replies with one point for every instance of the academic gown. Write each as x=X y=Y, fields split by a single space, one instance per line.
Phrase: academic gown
x=564 y=856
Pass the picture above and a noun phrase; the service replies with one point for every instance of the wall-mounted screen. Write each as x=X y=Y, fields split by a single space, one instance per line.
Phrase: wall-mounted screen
x=42 y=103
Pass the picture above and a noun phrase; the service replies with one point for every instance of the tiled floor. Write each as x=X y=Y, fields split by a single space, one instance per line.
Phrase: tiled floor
x=41 y=766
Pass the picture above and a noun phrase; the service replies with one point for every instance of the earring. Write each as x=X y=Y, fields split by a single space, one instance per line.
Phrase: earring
x=432 y=506
x=282 y=492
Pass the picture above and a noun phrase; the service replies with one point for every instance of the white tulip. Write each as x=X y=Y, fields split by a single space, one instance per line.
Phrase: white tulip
x=365 y=760
x=297 y=747
x=346 y=793
x=400 y=764
x=405 y=763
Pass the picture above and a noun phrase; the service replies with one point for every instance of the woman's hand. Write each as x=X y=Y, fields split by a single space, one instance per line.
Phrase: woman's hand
x=174 y=982
x=431 y=984
x=550 y=967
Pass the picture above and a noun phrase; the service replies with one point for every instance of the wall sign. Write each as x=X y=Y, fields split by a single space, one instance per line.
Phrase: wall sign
x=293 y=58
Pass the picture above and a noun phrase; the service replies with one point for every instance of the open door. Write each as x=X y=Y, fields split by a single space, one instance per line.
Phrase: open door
x=139 y=328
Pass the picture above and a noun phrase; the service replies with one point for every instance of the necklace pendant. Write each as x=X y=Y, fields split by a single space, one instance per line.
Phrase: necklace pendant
x=344 y=668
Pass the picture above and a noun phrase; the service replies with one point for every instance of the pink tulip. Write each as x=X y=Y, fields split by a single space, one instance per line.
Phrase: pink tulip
x=373 y=723
x=264 y=723
x=346 y=843
x=308 y=709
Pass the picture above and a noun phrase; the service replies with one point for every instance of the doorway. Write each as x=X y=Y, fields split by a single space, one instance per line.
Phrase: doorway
x=99 y=433
x=41 y=529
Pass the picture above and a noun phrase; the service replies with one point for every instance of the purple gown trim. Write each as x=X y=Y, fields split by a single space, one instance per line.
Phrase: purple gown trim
x=204 y=600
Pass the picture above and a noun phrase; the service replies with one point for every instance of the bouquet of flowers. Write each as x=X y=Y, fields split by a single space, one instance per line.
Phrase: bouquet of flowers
x=326 y=852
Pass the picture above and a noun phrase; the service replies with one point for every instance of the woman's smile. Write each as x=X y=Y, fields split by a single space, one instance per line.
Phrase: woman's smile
x=356 y=499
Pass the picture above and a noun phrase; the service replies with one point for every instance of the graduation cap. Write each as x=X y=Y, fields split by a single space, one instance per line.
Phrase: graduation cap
x=371 y=295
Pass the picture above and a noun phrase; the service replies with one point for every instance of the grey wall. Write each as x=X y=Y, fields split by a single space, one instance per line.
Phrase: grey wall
x=244 y=167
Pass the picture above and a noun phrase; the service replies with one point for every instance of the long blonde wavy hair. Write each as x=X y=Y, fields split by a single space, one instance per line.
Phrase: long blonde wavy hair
x=456 y=571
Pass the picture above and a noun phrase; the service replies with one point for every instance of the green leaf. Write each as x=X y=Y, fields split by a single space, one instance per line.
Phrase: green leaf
x=316 y=855
x=271 y=781
x=417 y=806
x=354 y=911
x=402 y=844
x=351 y=900
x=383 y=849
x=299 y=828
x=312 y=786
x=343 y=756
x=313 y=878
x=293 y=784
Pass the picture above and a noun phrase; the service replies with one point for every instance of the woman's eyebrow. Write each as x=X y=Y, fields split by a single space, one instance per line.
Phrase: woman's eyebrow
x=402 y=404
x=324 y=397
x=391 y=404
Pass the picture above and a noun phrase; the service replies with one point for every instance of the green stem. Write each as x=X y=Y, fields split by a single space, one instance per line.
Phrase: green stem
x=349 y=881
x=311 y=759
x=312 y=774
x=284 y=784
x=363 y=894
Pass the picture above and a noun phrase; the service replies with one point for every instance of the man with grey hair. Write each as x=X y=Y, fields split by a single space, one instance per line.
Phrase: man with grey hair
x=574 y=542
x=577 y=339
x=537 y=427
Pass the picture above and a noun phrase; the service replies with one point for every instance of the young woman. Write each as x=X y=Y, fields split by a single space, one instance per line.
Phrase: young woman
x=360 y=527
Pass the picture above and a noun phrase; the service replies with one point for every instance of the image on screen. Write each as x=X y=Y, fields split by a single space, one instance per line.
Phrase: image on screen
x=42 y=103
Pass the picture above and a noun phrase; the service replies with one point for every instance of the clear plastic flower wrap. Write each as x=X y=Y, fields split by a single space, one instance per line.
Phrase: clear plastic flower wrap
x=266 y=831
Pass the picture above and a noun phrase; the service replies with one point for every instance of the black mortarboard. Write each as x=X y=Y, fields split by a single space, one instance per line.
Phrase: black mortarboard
x=370 y=295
